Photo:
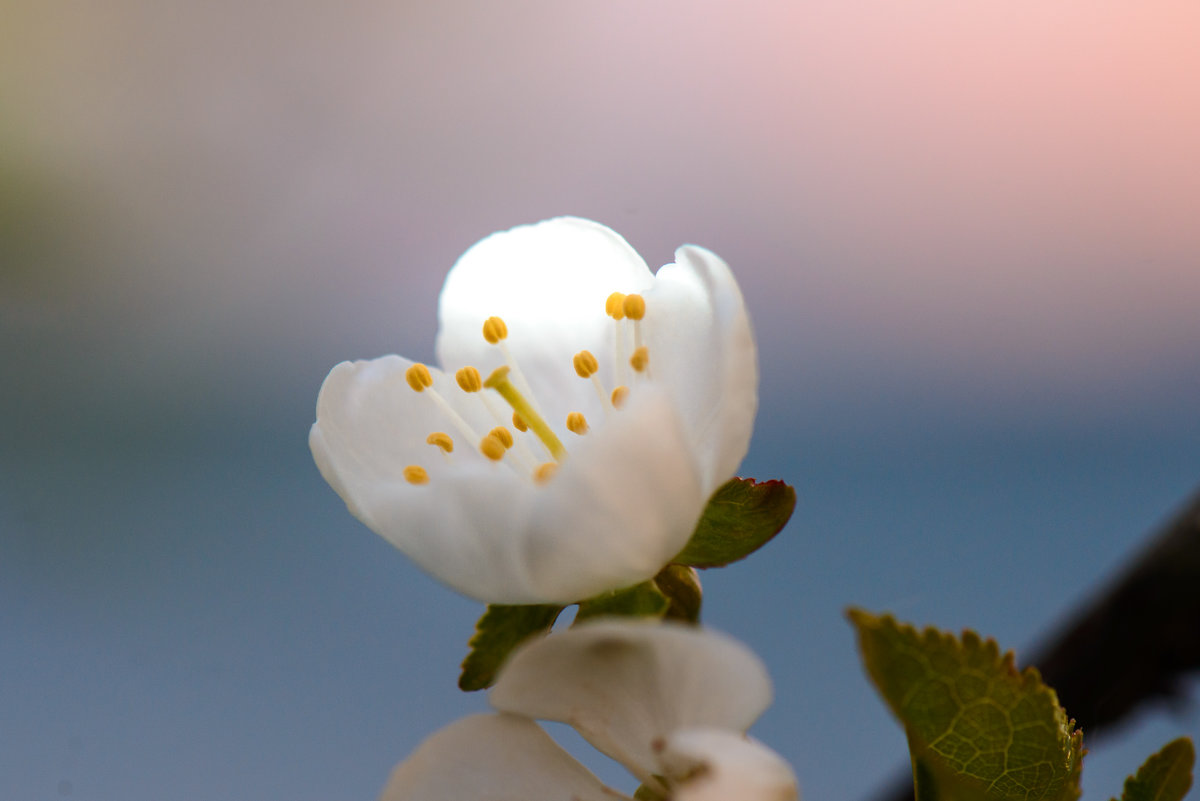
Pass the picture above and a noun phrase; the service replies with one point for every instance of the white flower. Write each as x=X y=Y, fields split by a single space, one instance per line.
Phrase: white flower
x=669 y=702
x=638 y=405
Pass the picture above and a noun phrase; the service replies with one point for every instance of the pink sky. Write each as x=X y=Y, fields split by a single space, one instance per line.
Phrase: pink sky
x=988 y=186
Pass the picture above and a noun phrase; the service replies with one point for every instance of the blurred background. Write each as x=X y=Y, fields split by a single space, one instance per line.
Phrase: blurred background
x=968 y=235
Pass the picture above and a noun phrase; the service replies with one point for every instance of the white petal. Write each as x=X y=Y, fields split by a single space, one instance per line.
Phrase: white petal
x=493 y=758
x=370 y=425
x=370 y=420
x=620 y=507
x=549 y=282
x=702 y=347
x=718 y=765
x=627 y=685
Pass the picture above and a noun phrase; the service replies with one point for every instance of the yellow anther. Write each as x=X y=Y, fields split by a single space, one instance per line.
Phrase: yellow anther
x=640 y=358
x=518 y=423
x=634 y=307
x=504 y=435
x=544 y=472
x=586 y=364
x=500 y=382
x=468 y=379
x=442 y=440
x=492 y=447
x=577 y=423
x=494 y=330
x=418 y=377
x=619 y=395
x=614 y=307
x=415 y=474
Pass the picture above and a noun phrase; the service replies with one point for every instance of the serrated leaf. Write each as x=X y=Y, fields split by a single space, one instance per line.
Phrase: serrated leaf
x=640 y=600
x=741 y=517
x=1165 y=776
x=501 y=629
x=978 y=729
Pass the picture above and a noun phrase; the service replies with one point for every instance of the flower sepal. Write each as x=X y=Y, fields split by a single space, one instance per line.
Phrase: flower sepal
x=672 y=594
x=681 y=585
x=742 y=516
x=647 y=793
x=640 y=600
x=497 y=633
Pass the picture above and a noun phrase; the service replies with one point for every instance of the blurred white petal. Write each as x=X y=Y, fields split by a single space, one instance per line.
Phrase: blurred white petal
x=493 y=758
x=627 y=686
x=718 y=765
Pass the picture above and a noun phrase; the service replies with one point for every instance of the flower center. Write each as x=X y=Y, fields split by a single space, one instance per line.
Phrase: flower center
x=523 y=410
x=499 y=444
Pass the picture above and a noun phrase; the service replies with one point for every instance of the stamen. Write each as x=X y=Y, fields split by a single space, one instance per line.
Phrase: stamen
x=640 y=359
x=614 y=307
x=494 y=330
x=442 y=440
x=577 y=423
x=518 y=423
x=504 y=435
x=619 y=395
x=500 y=382
x=492 y=447
x=634 y=307
x=545 y=472
x=586 y=364
x=468 y=379
x=418 y=377
x=415 y=474
x=522 y=454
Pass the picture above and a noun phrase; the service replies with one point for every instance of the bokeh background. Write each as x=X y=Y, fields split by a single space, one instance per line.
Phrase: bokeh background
x=968 y=234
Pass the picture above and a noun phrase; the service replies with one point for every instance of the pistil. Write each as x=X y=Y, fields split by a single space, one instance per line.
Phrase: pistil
x=469 y=381
x=495 y=332
x=499 y=380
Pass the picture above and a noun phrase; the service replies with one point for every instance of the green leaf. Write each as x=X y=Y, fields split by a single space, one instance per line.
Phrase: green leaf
x=640 y=600
x=498 y=632
x=741 y=517
x=978 y=729
x=1165 y=776
x=681 y=585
